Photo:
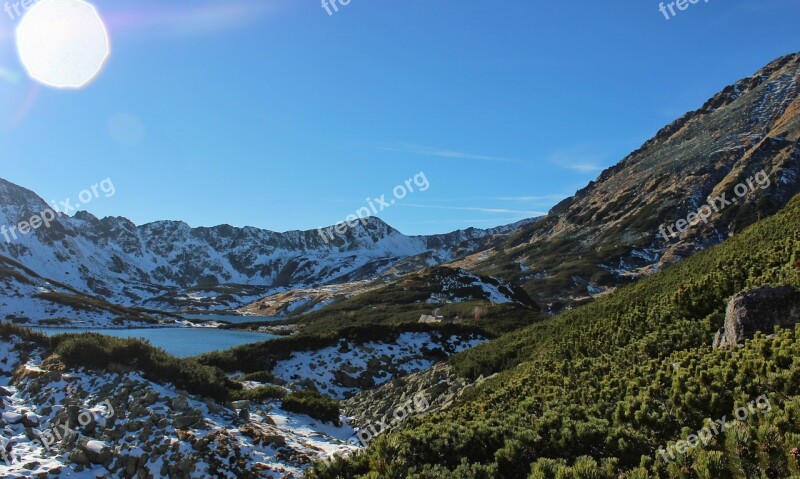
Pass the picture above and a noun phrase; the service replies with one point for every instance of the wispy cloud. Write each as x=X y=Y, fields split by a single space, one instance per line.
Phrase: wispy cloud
x=444 y=153
x=539 y=201
x=580 y=159
x=478 y=209
x=493 y=221
x=531 y=199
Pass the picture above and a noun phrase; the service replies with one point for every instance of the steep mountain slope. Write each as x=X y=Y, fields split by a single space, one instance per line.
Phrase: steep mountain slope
x=170 y=265
x=27 y=298
x=611 y=231
x=602 y=390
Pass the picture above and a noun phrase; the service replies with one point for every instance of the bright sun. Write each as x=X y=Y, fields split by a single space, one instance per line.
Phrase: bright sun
x=63 y=43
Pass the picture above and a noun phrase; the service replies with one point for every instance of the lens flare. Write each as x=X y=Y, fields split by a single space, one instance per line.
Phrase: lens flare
x=63 y=43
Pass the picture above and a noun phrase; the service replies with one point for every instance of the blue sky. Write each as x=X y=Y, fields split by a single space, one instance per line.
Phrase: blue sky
x=275 y=114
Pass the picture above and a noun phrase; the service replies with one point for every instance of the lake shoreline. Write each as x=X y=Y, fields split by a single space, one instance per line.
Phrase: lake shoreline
x=179 y=341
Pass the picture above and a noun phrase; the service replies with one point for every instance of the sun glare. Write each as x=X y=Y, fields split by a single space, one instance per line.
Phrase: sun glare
x=63 y=43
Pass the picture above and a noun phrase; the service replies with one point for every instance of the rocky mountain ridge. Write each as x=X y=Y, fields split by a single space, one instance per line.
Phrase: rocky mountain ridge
x=609 y=232
x=169 y=265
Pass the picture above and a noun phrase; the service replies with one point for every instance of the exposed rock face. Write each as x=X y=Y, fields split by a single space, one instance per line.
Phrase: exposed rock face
x=439 y=385
x=760 y=309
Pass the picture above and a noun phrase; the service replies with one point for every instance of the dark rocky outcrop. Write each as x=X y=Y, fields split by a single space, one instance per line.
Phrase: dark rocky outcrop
x=760 y=309
x=440 y=386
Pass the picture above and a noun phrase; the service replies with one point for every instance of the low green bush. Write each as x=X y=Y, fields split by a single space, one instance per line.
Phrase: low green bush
x=7 y=330
x=597 y=391
x=259 y=376
x=313 y=404
x=261 y=393
x=96 y=351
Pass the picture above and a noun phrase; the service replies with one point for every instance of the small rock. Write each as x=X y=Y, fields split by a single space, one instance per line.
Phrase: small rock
x=150 y=397
x=180 y=403
x=78 y=456
x=188 y=419
x=268 y=420
x=213 y=406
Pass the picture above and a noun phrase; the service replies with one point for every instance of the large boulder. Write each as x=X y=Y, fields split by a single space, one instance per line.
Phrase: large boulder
x=341 y=378
x=760 y=309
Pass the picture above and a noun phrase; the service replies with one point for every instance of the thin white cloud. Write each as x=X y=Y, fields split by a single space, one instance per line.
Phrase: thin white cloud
x=445 y=153
x=531 y=199
x=494 y=221
x=579 y=159
x=584 y=167
x=481 y=210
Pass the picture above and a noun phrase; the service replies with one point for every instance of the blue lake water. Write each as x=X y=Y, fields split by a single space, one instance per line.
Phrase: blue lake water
x=231 y=319
x=181 y=342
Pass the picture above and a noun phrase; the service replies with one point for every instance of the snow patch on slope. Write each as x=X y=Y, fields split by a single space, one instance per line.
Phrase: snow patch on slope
x=346 y=369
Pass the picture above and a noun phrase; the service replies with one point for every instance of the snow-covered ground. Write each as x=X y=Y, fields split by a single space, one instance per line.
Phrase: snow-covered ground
x=152 y=428
x=24 y=302
x=491 y=289
x=347 y=369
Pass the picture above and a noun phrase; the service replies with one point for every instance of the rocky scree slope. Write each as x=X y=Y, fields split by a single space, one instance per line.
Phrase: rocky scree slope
x=66 y=422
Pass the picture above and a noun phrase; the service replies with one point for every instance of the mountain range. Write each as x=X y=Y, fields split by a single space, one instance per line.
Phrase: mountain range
x=169 y=266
